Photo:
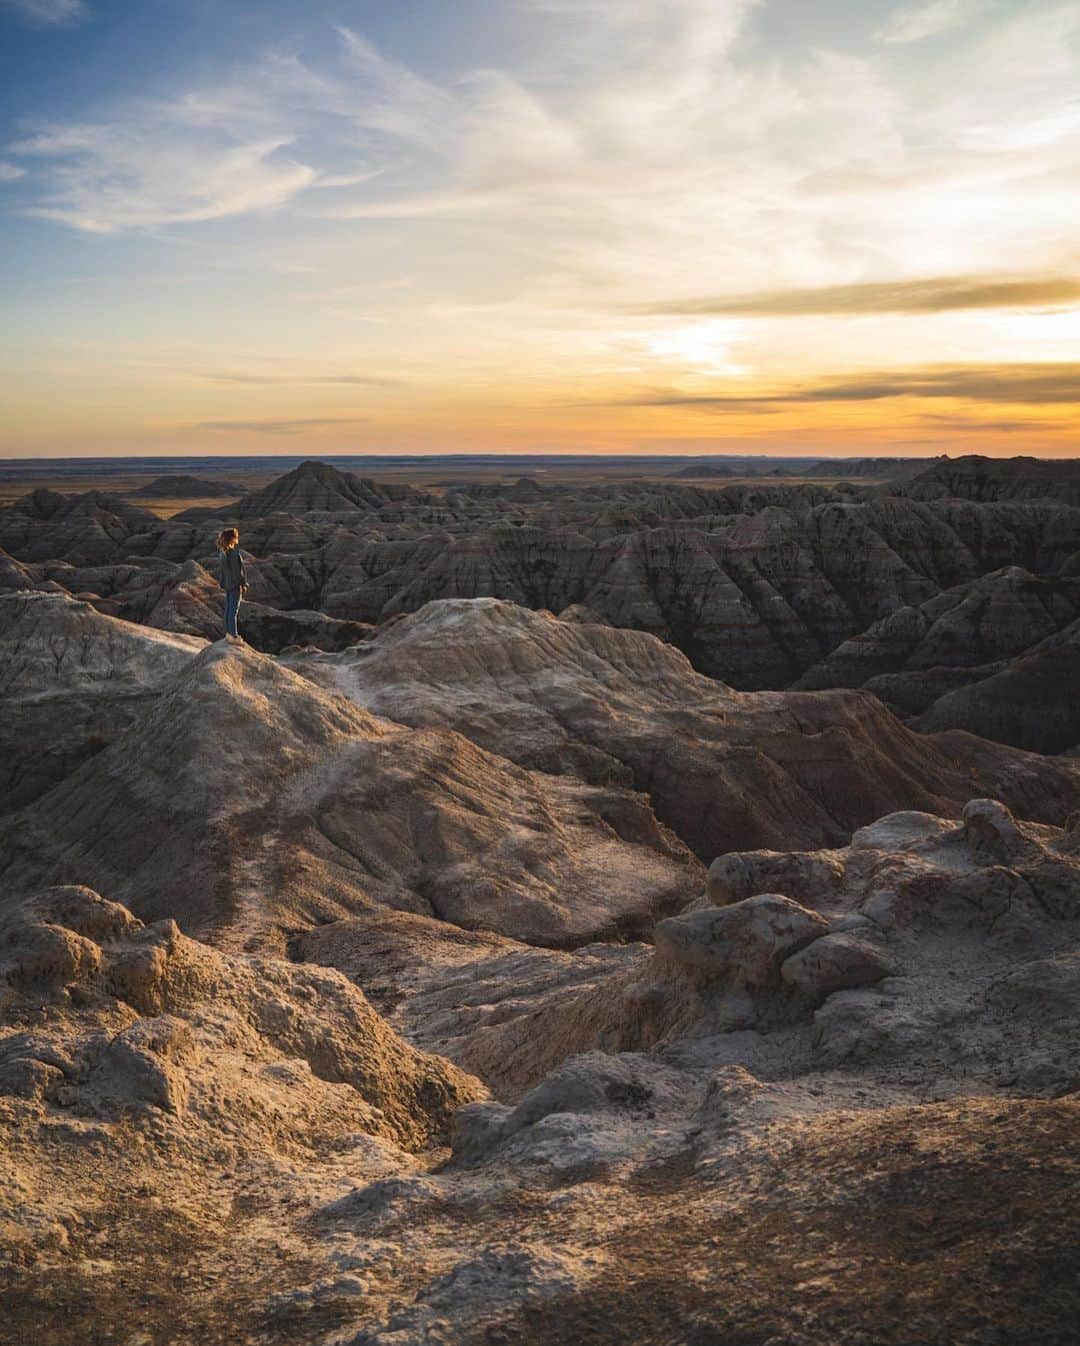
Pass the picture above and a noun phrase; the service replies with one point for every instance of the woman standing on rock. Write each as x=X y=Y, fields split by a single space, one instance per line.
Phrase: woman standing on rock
x=233 y=577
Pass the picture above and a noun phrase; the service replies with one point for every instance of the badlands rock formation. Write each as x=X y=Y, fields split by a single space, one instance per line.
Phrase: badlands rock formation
x=723 y=769
x=71 y=681
x=977 y=478
x=756 y=583
x=997 y=657
x=250 y=802
x=850 y=1116
x=496 y=974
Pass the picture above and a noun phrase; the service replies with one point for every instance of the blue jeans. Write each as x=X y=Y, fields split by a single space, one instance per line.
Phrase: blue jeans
x=232 y=606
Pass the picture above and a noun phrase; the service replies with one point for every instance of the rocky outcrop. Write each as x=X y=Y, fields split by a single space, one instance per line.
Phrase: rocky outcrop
x=419 y=1022
x=150 y=989
x=147 y=1082
x=994 y=618
x=994 y=657
x=1028 y=701
x=888 y=469
x=315 y=487
x=890 y=1020
x=242 y=797
x=189 y=598
x=978 y=478
x=914 y=964
x=72 y=681
x=724 y=770
x=82 y=529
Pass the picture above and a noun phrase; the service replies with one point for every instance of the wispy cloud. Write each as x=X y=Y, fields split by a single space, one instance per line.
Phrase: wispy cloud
x=49 y=13
x=1009 y=426
x=281 y=427
x=913 y=23
x=660 y=131
x=11 y=172
x=937 y=294
x=1029 y=384
x=108 y=178
x=306 y=380
x=251 y=142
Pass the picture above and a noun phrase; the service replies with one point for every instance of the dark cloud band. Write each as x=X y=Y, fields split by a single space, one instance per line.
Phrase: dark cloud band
x=295 y=427
x=1024 y=384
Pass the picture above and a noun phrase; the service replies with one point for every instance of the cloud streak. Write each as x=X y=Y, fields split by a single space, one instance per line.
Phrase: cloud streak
x=111 y=178
x=1028 y=384
x=303 y=380
x=938 y=294
x=296 y=426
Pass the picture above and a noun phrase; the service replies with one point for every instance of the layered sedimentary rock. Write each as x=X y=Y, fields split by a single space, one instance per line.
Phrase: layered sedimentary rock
x=1029 y=701
x=757 y=584
x=242 y=798
x=978 y=478
x=926 y=951
x=71 y=681
x=82 y=529
x=248 y=1129
x=892 y=469
x=316 y=487
x=724 y=770
x=994 y=656
x=185 y=487
x=133 y=1029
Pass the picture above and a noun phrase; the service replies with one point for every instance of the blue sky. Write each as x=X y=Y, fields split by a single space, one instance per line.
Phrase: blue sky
x=539 y=224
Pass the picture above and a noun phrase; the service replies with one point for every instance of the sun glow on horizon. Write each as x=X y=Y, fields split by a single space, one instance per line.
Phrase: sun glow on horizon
x=605 y=226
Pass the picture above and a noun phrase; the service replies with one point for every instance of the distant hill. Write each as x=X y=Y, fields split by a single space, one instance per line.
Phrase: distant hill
x=979 y=478
x=891 y=468
x=316 y=487
x=187 y=488
x=697 y=471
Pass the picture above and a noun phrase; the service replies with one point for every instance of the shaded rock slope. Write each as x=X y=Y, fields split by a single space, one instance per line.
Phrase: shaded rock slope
x=756 y=583
x=996 y=657
x=71 y=680
x=723 y=769
x=976 y=478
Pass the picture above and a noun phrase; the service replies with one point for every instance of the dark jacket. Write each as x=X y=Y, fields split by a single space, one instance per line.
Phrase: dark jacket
x=232 y=571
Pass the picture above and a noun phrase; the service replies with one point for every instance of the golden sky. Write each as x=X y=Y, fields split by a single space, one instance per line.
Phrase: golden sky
x=537 y=225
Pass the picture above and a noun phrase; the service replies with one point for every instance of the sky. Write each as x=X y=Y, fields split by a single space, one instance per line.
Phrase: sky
x=685 y=226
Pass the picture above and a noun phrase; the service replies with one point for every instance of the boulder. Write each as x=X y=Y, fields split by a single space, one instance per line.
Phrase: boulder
x=991 y=830
x=743 y=944
x=836 y=962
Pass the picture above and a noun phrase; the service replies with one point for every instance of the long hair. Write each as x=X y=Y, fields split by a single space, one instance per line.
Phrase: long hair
x=227 y=539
